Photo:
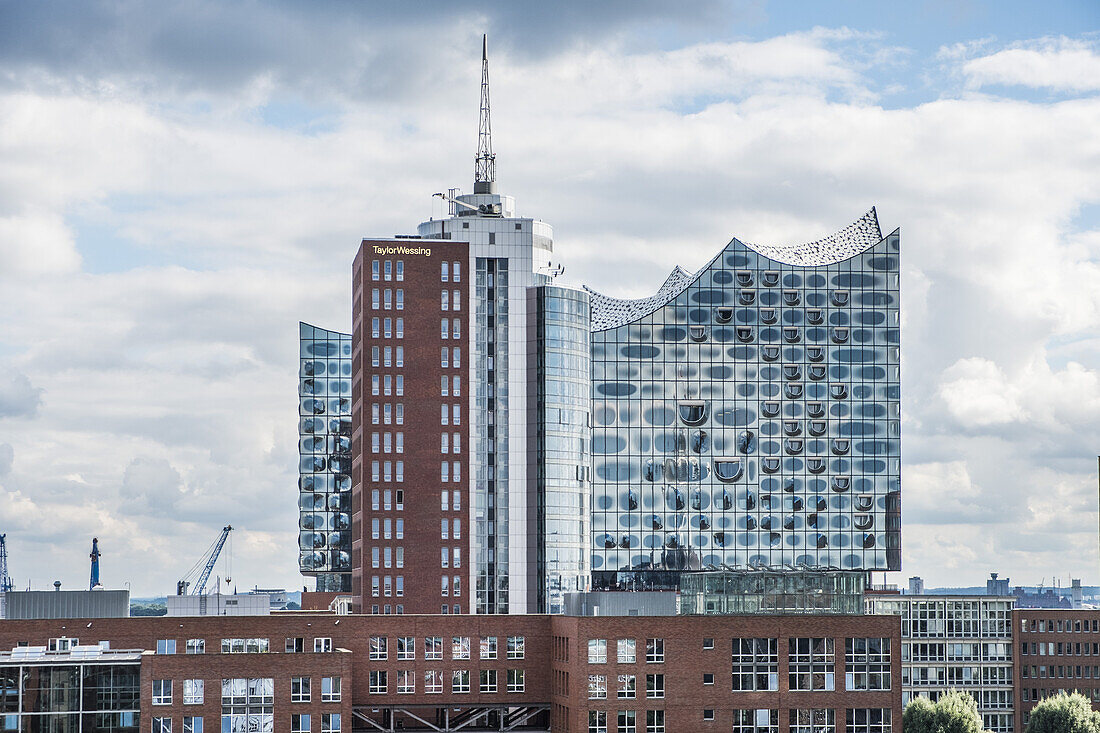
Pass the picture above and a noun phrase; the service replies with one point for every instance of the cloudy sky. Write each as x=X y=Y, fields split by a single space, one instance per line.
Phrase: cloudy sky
x=181 y=183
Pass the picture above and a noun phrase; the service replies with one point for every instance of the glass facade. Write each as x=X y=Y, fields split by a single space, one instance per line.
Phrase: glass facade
x=559 y=365
x=69 y=697
x=490 y=441
x=324 y=447
x=764 y=592
x=749 y=415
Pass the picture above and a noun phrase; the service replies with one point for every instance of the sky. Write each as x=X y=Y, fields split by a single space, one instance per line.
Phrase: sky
x=182 y=182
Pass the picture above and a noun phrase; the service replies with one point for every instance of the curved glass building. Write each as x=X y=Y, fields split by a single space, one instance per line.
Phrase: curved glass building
x=748 y=416
x=558 y=458
x=324 y=451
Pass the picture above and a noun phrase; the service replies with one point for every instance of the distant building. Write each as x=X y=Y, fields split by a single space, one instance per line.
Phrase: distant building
x=1056 y=651
x=217 y=604
x=53 y=604
x=916 y=585
x=996 y=586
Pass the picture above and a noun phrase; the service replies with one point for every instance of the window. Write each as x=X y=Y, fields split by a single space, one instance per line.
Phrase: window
x=655 y=686
x=444 y=271
x=196 y=646
x=300 y=723
x=433 y=681
x=597 y=651
x=708 y=714
x=655 y=721
x=755 y=664
x=443 y=416
x=460 y=647
x=433 y=647
x=460 y=680
x=867 y=663
x=399 y=529
x=456 y=386
x=374 y=299
x=330 y=723
x=456 y=271
x=444 y=331
x=399 y=360
x=379 y=646
x=400 y=299
x=377 y=682
x=387 y=299
x=628 y=721
x=456 y=328
x=868 y=720
x=444 y=386
x=708 y=678
x=456 y=300
x=443 y=357
x=400 y=270
x=193 y=692
x=654 y=651
x=375 y=331
x=399 y=331
x=811 y=662
x=322 y=644
x=457 y=353
x=515 y=647
x=162 y=725
x=628 y=687
x=756 y=721
x=708 y=643
x=444 y=300
x=597 y=721
x=597 y=687
x=516 y=681
x=444 y=446
x=300 y=689
x=162 y=692
x=488 y=647
x=626 y=651
x=166 y=646
x=406 y=682
x=814 y=720
x=488 y=680
x=192 y=724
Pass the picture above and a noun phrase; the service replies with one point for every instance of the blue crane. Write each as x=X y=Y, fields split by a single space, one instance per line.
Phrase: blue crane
x=206 y=563
x=5 y=579
x=94 y=580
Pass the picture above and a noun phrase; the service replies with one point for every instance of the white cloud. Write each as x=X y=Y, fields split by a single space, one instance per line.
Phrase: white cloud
x=977 y=393
x=18 y=397
x=1060 y=64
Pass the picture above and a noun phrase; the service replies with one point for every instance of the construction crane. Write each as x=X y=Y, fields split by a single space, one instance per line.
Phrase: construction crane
x=94 y=580
x=206 y=563
x=5 y=579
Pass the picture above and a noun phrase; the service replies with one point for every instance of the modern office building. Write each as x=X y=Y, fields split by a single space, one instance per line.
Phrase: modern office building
x=470 y=413
x=324 y=453
x=956 y=643
x=749 y=415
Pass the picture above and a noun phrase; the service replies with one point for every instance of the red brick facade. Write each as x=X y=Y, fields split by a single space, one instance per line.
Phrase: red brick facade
x=397 y=544
x=1056 y=650
x=548 y=658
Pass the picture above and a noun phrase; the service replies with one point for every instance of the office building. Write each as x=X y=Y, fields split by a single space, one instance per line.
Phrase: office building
x=1057 y=651
x=469 y=378
x=956 y=643
x=749 y=415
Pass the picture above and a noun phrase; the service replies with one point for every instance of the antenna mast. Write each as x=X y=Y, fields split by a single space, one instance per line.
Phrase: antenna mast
x=485 y=165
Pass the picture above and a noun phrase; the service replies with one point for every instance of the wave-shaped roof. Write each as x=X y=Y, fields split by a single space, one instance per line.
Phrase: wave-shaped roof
x=860 y=235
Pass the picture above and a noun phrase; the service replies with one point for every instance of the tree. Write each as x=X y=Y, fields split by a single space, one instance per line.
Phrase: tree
x=954 y=712
x=1064 y=714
